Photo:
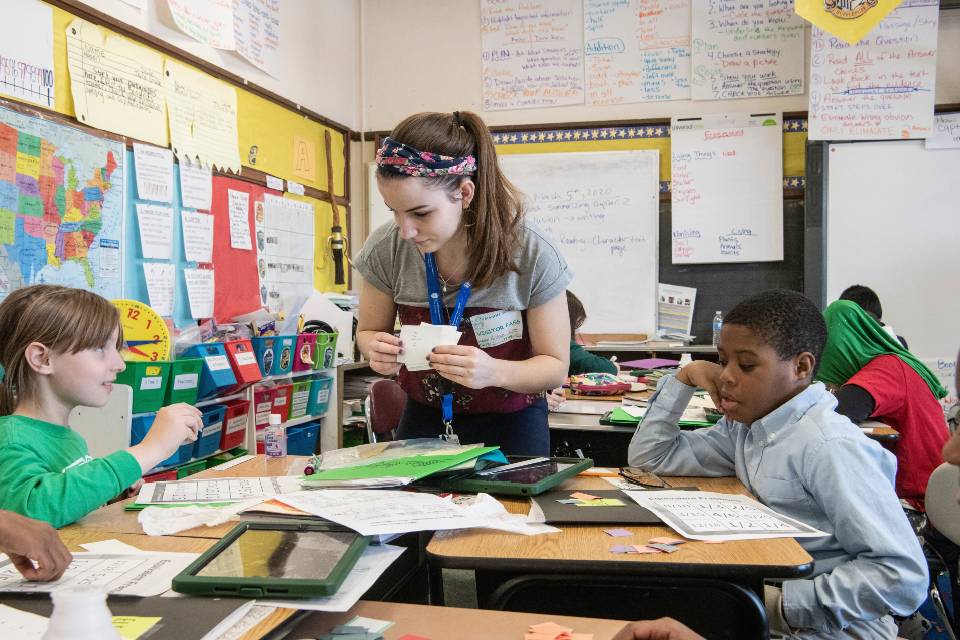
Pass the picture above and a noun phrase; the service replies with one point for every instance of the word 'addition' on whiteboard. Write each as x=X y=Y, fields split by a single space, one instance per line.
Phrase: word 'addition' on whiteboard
x=727 y=188
x=601 y=209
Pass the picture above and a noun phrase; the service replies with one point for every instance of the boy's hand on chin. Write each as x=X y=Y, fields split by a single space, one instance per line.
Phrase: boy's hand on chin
x=702 y=373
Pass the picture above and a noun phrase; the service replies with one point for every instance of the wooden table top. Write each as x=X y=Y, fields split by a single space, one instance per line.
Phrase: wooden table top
x=586 y=548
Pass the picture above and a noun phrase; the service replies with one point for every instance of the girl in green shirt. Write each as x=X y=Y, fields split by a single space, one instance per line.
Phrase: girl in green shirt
x=59 y=348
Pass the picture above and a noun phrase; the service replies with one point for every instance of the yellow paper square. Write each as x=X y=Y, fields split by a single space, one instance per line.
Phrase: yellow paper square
x=601 y=502
x=132 y=627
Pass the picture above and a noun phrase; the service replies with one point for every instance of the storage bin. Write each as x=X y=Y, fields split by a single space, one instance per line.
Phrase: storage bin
x=299 y=399
x=320 y=388
x=216 y=374
x=162 y=475
x=265 y=349
x=243 y=361
x=325 y=351
x=302 y=439
x=281 y=400
x=149 y=383
x=209 y=440
x=235 y=419
x=303 y=355
x=183 y=381
x=283 y=354
x=226 y=456
x=139 y=427
x=191 y=468
x=262 y=406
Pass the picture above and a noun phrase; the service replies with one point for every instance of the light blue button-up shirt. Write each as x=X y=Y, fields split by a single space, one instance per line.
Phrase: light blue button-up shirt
x=808 y=462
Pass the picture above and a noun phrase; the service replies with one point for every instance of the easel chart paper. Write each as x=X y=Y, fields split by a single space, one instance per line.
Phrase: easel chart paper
x=727 y=188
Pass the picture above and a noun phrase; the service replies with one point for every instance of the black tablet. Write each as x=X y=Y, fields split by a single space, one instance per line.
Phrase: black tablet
x=520 y=476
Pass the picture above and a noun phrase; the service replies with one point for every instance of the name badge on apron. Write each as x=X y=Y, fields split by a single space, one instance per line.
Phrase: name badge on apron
x=497 y=327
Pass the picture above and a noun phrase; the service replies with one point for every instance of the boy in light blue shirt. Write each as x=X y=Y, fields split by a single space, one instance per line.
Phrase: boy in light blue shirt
x=783 y=440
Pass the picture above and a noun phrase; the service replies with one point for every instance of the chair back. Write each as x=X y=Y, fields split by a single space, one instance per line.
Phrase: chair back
x=384 y=407
x=941 y=501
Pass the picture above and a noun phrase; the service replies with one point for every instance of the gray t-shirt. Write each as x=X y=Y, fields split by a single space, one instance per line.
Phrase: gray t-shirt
x=396 y=267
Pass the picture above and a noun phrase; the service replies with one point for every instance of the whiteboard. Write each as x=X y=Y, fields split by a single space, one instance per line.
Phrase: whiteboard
x=893 y=224
x=602 y=211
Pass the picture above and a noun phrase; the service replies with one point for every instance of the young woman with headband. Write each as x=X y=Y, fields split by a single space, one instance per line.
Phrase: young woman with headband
x=459 y=232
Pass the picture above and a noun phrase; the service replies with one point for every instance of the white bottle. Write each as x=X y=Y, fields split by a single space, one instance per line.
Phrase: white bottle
x=717 y=325
x=275 y=437
x=685 y=359
x=80 y=613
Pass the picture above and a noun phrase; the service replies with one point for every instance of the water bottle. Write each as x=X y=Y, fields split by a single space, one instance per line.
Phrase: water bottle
x=80 y=613
x=275 y=437
x=717 y=325
x=685 y=359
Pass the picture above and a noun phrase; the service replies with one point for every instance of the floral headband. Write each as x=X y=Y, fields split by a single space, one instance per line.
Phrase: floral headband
x=403 y=159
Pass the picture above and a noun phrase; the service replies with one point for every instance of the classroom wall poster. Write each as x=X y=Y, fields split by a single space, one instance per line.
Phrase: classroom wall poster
x=880 y=88
x=285 y=262
x=636 y=51
x=26 y=54
x=848 y=21
x=946 y=132
x=237 y=285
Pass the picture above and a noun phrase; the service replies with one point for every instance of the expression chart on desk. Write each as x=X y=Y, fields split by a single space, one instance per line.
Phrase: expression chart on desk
x=215 y=489
x=716 y=156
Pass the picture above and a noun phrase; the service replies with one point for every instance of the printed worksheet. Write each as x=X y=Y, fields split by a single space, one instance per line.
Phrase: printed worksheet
x=200 y=490
x=702 y=515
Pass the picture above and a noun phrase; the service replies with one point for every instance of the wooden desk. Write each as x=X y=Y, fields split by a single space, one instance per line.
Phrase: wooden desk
x=442 y=623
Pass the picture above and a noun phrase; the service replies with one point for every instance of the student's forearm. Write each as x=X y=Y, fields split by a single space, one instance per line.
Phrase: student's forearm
x=539 y=373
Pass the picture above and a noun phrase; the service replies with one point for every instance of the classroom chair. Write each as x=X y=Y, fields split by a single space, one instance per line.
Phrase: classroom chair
x=943 y=514
x=716 y=609
x=383 y=408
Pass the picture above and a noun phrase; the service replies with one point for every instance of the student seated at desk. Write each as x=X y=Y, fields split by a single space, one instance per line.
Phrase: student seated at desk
x=59 y=349
x=783 y=440
x=880 y=380
x=868 y=300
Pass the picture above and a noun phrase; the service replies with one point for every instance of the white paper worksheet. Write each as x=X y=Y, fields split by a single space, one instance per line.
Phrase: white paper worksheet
x=419 y=340
x=141 y=574
x=215 y=490
x=703 y=515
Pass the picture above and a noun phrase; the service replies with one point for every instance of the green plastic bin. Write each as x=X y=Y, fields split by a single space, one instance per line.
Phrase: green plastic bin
x=299 y=399
x=149 y=383
x=184 y=381
x=325 y=352
x=189 y=469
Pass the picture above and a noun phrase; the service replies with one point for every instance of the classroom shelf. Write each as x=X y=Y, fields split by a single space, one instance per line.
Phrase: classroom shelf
x=191 y=461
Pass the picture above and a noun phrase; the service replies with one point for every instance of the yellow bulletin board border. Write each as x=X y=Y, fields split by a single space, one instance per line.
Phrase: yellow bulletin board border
x=654 y=136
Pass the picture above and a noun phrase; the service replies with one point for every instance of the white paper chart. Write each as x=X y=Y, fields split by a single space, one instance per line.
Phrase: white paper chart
x=215 y=490
x=636 y=51
x=702 y=515
x=531 y=53
x=746 y=49
x=287 y=275
x=727 y=188
x=881 y=88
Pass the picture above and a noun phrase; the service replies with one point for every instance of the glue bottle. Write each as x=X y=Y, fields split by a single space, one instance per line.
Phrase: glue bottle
x=275 y=437
x=80 y=613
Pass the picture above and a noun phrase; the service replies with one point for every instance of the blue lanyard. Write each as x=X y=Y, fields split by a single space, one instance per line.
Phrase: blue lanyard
x=437 y=313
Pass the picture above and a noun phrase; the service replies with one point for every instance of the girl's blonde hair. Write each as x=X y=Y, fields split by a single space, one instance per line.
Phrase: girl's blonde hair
x=494 y=219
x=62 y=319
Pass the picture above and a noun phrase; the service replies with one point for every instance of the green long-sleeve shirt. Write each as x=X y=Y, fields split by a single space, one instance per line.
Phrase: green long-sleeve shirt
x=582 y=361
x=47 y=473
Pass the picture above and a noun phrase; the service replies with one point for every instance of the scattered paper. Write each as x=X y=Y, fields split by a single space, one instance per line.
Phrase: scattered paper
x=494 y=515
x=26 y=48
x=232 y=463
x=117 y=84
x=419 y=341
x=617 y=533
x=601 y=502
x=579 y=495
x=239 y=206
x=200 y=490
x=371 y=625
x=156 y=230
x=165 y=521
x=666 y=540
x=154 y=169
x=196 y=185
x=197 y=236
x=200 y=292
x=143 y=574
x=133 y=627
x=160 y=279
x=111 y=546
x=703 y=515
x=371 y=565
x=21 y=625
x=238 y=623
x=634 y=410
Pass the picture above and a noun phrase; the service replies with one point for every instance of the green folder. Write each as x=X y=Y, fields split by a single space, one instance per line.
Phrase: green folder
x=408 y=468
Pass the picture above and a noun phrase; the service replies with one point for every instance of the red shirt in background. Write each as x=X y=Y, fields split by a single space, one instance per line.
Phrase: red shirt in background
x=902 y=400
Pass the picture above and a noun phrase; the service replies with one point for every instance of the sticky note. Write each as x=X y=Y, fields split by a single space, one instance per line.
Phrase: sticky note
x=669 y=548
x=132 y=627
x=569 y=501
x=617 y=533
x=370 y=624
x=601 y=502
x=581 y=636
x=639 y=548
x=579 y=495
x=667 y=540
x=713 y=541
x=621 y=548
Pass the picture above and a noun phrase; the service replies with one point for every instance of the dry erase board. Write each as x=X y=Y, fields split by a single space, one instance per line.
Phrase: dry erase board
x=891 y=222
x=600 y=208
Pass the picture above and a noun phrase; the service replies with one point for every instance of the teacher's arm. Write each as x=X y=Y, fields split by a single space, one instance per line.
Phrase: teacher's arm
x=549 y=329
x=377 y=313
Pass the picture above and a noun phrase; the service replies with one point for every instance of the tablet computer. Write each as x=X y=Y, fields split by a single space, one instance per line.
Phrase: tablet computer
x=520 y=476
x=276 y=560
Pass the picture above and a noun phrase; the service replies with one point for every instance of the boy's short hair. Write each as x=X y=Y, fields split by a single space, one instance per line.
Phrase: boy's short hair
x=866 y=297
x=786 y=320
